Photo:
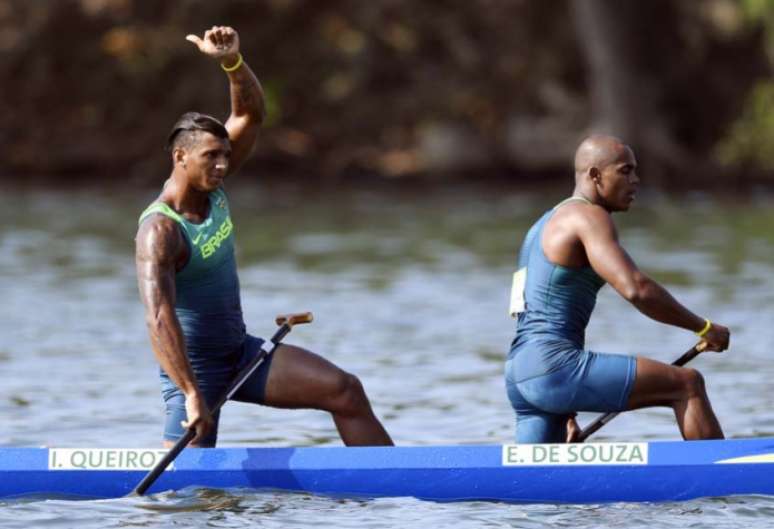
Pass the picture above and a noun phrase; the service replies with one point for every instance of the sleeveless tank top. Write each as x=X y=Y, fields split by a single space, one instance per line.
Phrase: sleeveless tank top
x=558 y=302
x=207 y=303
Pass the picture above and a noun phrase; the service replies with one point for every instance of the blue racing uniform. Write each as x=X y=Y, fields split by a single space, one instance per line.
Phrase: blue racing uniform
x=548 y=373
x=209 y=309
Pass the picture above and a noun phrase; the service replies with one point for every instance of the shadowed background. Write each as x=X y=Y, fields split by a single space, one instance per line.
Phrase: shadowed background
x=396 y=88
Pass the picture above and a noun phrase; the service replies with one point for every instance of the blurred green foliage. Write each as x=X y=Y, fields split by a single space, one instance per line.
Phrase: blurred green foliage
x=750 y=140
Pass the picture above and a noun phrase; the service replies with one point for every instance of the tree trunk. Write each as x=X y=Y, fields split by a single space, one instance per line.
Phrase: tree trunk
x=625 y=98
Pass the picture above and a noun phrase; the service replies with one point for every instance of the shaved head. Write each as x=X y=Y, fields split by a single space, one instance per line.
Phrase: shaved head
x=598 y=151
x=606 y=172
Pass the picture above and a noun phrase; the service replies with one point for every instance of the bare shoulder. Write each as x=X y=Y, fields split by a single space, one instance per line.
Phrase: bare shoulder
x=592 y=221
x=574 y=217
x=159 y=240
x=575 y=228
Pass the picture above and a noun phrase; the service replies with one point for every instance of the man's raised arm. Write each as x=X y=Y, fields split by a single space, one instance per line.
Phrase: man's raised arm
x=247 y=103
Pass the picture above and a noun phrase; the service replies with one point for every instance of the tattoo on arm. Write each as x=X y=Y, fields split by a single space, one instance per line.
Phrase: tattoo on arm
x=247 y=113
x=247 y=95
x=159 y=247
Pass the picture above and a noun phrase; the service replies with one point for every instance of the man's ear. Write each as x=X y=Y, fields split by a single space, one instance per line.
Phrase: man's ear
x=179 y=156
x=596 y=175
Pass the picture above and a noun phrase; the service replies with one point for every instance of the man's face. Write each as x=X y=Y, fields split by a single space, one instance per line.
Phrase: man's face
x=617 y=181
x=206 y=161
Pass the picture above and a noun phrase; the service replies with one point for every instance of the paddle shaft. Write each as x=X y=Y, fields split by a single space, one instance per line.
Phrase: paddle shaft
x=249 y=369
x=602 y=420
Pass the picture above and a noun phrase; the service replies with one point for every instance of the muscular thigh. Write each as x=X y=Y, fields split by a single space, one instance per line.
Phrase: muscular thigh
x=605 y=382
x=301 y=379
x=656 y=384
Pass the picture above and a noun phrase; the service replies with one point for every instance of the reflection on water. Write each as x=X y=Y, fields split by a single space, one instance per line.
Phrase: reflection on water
x=192 y=500
x=409 y=292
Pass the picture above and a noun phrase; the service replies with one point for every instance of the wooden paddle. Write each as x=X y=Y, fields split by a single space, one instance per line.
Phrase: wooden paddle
x=602 y=420
x=286 y=323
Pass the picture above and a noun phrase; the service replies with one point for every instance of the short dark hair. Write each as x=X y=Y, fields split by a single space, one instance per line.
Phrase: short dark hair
x=189 y=125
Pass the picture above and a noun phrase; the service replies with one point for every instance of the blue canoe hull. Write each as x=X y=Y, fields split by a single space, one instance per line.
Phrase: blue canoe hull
x=673 y=471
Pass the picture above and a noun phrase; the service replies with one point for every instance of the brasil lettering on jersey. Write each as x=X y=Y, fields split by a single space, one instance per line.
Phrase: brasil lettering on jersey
x=211 y=245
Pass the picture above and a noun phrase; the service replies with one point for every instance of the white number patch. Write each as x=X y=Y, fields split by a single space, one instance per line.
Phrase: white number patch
x=517 y=292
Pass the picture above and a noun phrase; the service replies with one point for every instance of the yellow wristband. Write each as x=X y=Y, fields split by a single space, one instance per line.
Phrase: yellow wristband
x=705 y=329
x=235 y=67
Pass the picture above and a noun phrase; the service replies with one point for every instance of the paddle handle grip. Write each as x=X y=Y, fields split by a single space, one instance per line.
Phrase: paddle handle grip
x=602 y=420
x=286 y=323
x=294 y=319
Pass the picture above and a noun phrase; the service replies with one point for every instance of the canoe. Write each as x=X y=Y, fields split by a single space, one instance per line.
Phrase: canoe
x=577 y=473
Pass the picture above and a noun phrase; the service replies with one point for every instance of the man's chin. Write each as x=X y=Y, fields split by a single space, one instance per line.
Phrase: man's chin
x=621 y=207
x=211 y=184
x=626 y=203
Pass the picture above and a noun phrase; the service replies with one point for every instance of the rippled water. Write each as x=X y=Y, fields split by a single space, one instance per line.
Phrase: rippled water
x=409 y=292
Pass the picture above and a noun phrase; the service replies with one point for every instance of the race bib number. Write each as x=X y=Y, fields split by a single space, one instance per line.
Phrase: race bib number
x=517 y=292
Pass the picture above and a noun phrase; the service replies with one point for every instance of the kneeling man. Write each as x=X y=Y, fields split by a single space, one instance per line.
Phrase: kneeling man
x=566 y=257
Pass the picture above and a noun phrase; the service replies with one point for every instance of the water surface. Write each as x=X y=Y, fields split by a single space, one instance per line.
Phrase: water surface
x=409 y=292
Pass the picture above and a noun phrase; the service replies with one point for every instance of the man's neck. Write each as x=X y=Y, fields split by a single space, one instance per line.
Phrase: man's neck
x=183 y=197
x=589 y=193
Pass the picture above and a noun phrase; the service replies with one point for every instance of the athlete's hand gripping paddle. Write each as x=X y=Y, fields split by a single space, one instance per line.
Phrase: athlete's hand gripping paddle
x=602 y=420
x=286 y=323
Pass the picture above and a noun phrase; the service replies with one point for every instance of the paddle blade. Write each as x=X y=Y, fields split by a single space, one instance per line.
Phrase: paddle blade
x=294 y=319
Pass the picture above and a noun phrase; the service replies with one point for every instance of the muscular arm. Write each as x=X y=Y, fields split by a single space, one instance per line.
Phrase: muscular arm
x=608 y=259
x=247 y=104
x=247 y=112
x=159 y=246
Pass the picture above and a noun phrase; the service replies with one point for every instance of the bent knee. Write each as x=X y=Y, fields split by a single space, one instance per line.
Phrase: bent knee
x=348 y=396
x=693 y=382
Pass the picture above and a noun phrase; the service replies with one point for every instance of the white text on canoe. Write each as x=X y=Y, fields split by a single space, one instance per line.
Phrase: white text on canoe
x=576 y=454
x=104 y=458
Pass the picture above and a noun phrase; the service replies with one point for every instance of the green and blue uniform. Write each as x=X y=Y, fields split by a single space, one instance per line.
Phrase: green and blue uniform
x=209 y=309
x=549 y=374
